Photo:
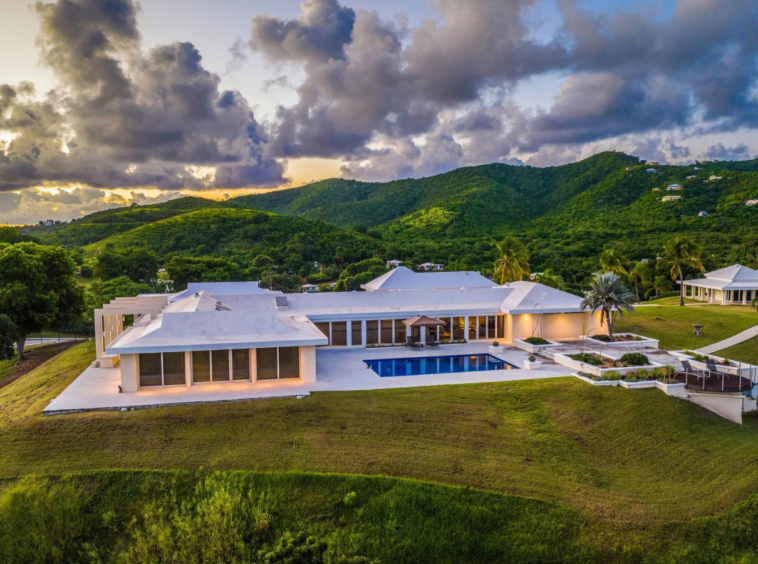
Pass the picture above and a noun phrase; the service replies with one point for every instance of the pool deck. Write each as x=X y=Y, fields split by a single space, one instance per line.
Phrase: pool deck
x=337 y=369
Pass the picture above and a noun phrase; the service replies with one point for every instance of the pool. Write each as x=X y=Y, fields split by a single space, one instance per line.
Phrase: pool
x=437 y=365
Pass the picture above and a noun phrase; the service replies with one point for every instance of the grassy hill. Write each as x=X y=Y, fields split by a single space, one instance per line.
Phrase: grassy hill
x=244 y=233
x=574 y=474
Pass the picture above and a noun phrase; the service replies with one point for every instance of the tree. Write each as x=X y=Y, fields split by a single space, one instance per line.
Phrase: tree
x=640 y=273
x=660 y=285
x=38 y=289
x=512 y=262
x=613 y=261
x=359 y=273
x=679 y=252
x=103 y=291
x=8 y=335
x=610 y=295
x=183 y=270
x=140 y=265
x=280 y=281
x=551 y=279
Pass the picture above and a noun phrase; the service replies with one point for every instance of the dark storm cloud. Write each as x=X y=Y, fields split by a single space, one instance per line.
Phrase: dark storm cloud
x=719 y=152
x=625 y=72
x=127 y=118
x=319 y=34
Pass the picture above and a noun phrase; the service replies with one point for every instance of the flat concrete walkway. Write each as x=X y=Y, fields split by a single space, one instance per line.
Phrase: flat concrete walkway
x=731 y=341
x=338 y=369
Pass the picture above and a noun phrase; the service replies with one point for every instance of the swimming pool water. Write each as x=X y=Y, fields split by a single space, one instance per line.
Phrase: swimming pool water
x=437 y=365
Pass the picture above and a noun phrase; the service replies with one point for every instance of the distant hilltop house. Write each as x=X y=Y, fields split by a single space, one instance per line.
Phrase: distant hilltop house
x=430 y=266
x=650 y=170
x=654 y=163
x=691 y=176
x=702 y=213
x=49 y=223
x=670 y=198
x=673 y=187
x=714 y=177
x=394 y=263
x=310 y=288
x=751 y=203
x=656 y=189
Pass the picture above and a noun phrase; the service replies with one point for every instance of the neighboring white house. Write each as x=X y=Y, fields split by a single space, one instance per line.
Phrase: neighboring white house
x=236 y=331
x=670 y=198
x=650 y=170
x=691 y=177
x=394 y=263
x=751 y=203
x=310 y=288
x=430 y=266
x=735 y=284
x=673 y=187
x=714 y=177
x=703 y=213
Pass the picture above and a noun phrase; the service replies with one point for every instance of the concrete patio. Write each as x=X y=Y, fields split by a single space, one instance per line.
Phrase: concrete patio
x=338 y=369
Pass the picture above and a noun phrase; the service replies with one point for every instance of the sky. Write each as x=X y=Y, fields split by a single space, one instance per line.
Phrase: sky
x=108 y=102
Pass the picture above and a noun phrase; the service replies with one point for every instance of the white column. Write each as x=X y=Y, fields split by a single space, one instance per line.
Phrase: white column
x=744 y=297
x=349 y=333
x=308 y=364
x=188 y=368
x=363 y=332
x=99 y=333
x=423 y=335
x=129 y=373
x=465 y=327
x=254 y=365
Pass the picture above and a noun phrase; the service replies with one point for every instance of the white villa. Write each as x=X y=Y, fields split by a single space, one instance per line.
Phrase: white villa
x=674 y=187
x=238 y=332
x=734 y=285
x=670 y=198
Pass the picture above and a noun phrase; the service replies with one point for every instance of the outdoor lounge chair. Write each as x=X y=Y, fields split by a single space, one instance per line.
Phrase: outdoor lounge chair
x=431 y=342
x=711 y=365
x=689 y=370
x=409 y=342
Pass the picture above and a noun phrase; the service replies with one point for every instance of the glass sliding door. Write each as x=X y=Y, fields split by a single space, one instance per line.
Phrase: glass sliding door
x=501 y=327
x=446 y=330
x=473 y=327
x=490 y=326
x=241 y=364
x=289 y=362
x=173 y=369
x=266 y=360
x=339 y=333
x=201 y=366
x=482 y=321
x=459 y=328
x=150 y=370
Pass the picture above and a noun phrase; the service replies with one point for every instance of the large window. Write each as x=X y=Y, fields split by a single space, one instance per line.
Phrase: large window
x=339 y=333
x=161 y=369
x=173 y=369
x=324 y=328
x=201 y=367
x=150 y=370
x=282 y=363
x=459 y=328
x=482 y=327
x=241 y=364
x=386 y=325
x=356 y=330
x=400 y=332
x=473 y=327
x=500 y=327
x=372 y=332
x=446 y=330
x=267 y=362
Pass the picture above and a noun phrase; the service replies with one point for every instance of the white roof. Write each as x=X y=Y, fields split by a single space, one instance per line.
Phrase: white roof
x=403 y=278
x=735 y=277
x=204 y=321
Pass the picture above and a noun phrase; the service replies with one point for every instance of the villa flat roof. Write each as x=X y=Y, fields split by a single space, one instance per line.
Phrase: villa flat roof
x=240 y=316
x=735 y=277
x=402 y=278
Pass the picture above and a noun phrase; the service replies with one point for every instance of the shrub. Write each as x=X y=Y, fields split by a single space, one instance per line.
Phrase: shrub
x=634 y=359
x=609 y=376
x=639 y=376
x=537 y=341
x=587 y=358
x=495 y=344
x=602 y=338
x=532 y=358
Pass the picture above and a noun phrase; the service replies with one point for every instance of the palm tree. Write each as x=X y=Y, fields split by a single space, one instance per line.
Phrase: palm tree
x=608 y=294
x=513 y=262
x=679 y=252
x=640 y=273
x=660 y=285
x=613 y=261
x=551 y=279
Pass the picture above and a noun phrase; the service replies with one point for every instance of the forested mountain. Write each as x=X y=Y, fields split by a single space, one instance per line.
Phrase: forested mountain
x=567 y=215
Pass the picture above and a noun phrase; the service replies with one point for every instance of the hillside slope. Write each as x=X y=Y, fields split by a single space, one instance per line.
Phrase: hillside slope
x=243 y=234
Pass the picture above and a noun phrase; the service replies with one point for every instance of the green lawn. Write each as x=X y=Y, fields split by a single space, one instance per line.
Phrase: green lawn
x=746 y=351
x=7 y=367
x=672 y=324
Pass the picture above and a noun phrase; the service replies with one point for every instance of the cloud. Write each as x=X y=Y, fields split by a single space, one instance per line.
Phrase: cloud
x=123 y=117
x=441 y=94
x=719 y=152
x=32 y=205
